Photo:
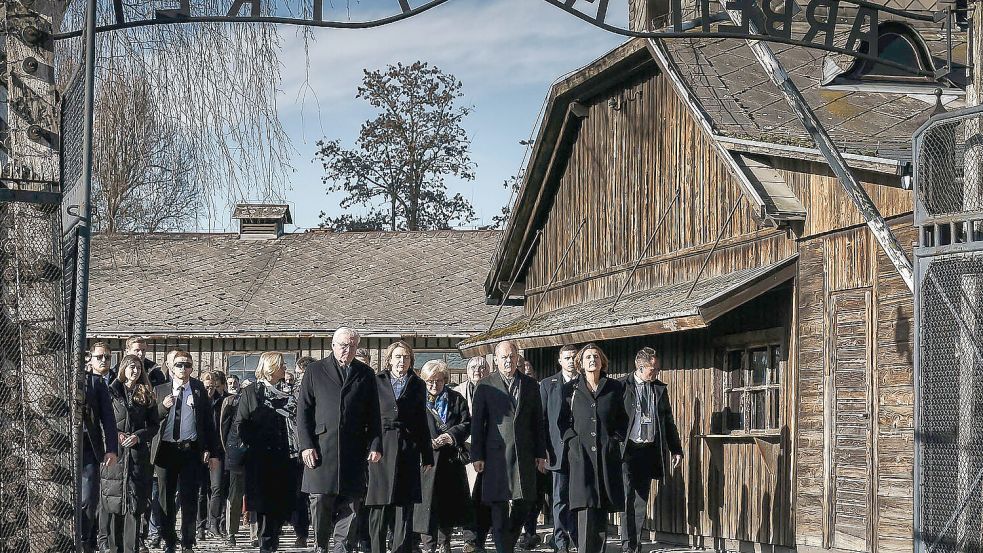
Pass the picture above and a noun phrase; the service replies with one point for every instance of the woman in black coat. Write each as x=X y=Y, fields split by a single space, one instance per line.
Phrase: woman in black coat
x=446 y=494
x=394 y=482
x=125 y=490
x=265 y=419
x=598 y=424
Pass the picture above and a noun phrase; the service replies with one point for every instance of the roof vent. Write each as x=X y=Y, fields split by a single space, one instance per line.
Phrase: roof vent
x=261 y=221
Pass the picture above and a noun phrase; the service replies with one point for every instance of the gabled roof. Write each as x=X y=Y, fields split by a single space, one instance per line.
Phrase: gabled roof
x=263 y=211
x=382 y=283
x=732 y=98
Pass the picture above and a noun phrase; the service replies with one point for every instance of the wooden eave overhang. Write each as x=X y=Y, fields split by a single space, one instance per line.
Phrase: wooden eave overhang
x=671 y=308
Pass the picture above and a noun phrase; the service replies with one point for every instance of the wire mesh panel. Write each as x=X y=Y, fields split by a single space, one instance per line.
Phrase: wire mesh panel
x=949 y=333
x=37 y=490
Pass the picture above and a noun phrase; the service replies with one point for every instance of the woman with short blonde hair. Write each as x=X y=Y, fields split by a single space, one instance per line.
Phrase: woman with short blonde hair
x=266 y=421
x=269 y=363
x=434 y=367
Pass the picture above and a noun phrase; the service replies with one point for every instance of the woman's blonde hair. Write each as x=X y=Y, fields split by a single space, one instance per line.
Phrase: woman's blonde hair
x=385 y=365
x=269 y=363
x=435 y=366
x=143 y=392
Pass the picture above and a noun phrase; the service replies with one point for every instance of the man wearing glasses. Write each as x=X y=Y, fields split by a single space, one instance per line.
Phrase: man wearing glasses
x=186 y=440
x=337 y=422
x=100 y=441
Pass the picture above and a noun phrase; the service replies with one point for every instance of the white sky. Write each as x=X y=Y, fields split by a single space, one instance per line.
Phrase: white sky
x=506 y=53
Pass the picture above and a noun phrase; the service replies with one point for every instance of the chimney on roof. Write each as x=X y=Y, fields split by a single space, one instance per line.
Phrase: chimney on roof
x=261 y=221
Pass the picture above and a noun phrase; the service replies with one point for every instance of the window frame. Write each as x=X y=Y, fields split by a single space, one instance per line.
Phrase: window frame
x=773 y=386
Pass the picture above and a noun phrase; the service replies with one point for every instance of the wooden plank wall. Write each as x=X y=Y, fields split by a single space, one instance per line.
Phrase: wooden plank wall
x=855 y=423
x=726 y=493
x=622 y=174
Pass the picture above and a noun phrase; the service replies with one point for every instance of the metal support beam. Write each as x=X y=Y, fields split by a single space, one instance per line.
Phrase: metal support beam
x=875 y=222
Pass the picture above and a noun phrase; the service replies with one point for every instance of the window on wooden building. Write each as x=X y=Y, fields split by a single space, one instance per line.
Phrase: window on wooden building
x=243 y=364
x=752 y=388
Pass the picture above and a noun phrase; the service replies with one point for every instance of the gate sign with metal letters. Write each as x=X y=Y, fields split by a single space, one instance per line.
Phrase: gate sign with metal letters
x=823 y=19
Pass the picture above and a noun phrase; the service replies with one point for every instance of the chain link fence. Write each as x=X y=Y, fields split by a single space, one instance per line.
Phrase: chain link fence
x=949 y=333
x=40 y=391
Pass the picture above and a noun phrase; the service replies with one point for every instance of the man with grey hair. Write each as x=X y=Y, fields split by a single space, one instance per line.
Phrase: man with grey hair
x=338 y=422
x=508 y=444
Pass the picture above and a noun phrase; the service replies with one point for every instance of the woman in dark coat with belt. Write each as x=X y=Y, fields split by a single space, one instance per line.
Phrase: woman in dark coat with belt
x=394 y=482
x=598 y=424
x=446 y=494
x=265 y=419
x=125 y=490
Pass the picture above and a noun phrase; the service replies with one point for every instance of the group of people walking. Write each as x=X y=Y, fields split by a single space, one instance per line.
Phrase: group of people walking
x=396 y=458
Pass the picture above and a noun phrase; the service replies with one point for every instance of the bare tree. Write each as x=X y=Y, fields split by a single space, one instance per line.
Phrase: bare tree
x=402 y=156
x=213 y=85
x=512 y=184
x=145 y=178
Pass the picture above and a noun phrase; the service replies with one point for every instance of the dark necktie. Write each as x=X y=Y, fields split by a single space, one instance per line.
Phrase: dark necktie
x=178 y=405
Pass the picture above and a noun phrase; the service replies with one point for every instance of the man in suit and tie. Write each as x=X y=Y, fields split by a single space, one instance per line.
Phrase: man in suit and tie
x=100 y=441
x=508 y=444
x=551 y=391
x=338 y=431
x=651 y=430
x=187 y=439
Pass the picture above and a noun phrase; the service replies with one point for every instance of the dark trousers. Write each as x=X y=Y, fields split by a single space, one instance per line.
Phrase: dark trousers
x=269 y=532
x=564 y=525
x=358 y=536
x=301 y=517
x=211 y=502
x=88 y=498
x=435 y=536
x=237 y=488
x=122 y=532
x=382 y=518
x=332 y=516
x=507 y=520
x=476 y=532
x=151 y=518
x=592 y=528
x=638 y=486
x=181 y=474
x=539 y=505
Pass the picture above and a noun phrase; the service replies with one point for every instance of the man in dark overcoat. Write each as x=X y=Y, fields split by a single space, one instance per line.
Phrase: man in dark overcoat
x=508 y=444
x=100 y=442
x=337 y=424
x=394 y=482
x=651 y=430
x=552 y=395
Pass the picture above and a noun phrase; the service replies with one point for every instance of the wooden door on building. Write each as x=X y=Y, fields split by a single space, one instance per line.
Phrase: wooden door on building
x=850 y=503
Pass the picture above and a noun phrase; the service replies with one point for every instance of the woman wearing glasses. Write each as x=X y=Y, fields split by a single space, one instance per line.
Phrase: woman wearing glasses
x=266 y=421
x=125 y=491
x=446 y=494
x=394 y=482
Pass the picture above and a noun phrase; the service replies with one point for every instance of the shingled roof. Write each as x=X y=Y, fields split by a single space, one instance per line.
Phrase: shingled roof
x=735 y=93
x=382 y=283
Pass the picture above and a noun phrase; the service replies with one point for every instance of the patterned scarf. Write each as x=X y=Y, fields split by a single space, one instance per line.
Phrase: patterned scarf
x=438 y=404
x=283 y=403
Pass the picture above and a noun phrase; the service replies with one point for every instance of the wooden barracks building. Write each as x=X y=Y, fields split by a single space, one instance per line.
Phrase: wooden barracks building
x=228 y=297
x=675 y=168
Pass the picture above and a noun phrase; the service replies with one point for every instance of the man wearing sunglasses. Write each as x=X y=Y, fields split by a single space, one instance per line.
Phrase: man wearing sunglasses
x=186 y=440
x=100 y=441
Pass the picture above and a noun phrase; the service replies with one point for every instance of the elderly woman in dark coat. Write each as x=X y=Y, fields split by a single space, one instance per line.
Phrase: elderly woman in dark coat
x=394 y=482
x=265 y=419
x=126 y=485
x=598 y=424
x=446 y=494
